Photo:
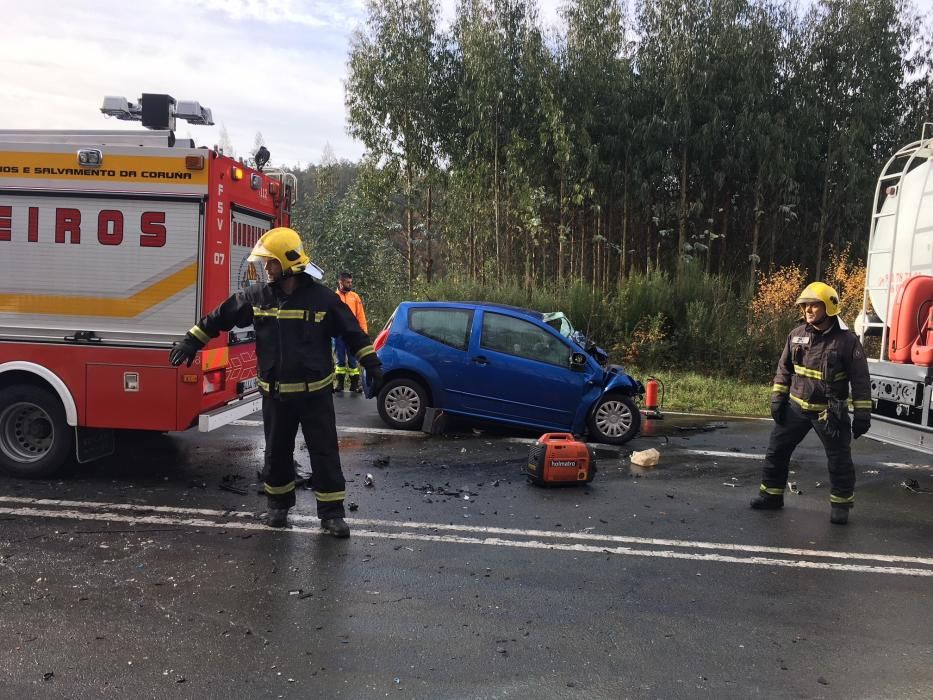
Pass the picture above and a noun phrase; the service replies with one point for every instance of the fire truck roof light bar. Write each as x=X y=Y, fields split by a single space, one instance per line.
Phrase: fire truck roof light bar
x=157 y=111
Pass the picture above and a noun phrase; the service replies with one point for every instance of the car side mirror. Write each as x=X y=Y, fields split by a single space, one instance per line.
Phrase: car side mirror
x=577 y=361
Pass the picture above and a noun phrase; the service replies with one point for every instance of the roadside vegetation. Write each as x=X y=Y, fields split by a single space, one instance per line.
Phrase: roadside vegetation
x=669 y=174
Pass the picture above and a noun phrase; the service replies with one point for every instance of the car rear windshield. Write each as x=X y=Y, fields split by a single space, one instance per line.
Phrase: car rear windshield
x=448 y=326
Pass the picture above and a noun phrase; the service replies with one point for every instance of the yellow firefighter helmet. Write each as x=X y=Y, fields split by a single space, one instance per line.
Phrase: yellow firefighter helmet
x=283 y=244
x=820 y=291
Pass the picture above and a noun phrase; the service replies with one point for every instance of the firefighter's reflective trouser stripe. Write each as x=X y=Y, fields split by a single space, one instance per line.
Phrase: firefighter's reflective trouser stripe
x=345 y=360
x=784 y=438
x=315 y=414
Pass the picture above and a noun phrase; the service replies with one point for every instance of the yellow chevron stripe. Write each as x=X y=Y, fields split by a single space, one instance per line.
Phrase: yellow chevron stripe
x=61 y=305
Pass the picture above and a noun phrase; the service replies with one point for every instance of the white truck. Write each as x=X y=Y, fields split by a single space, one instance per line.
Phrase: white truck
x=897 y=302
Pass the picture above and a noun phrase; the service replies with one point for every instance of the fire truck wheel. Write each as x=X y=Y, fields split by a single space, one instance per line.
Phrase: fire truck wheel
x=615 y=419
x=35 y=440
x=402 y=404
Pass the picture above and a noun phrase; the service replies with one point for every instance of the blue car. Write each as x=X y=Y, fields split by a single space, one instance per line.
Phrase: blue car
x=503 y=364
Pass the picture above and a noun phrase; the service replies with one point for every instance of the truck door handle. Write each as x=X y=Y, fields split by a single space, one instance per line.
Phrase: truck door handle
x=480 y=360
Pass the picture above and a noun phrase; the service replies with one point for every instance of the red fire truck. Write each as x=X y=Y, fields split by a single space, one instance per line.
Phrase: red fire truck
x=112 y=244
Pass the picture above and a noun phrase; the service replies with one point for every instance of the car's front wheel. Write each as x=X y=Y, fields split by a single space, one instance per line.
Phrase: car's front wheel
x=402 y=404
x=615 y=419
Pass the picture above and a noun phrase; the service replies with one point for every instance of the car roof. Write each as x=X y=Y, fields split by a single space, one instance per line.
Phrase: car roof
x=476 y=305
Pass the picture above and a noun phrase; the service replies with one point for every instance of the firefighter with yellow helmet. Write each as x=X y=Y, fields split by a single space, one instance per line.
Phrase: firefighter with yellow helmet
x=821 y=359
x=295 y=318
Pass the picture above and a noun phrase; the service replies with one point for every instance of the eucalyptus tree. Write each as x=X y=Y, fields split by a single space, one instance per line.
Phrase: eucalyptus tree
x=501 y=64
x=595 y=75
x=673 y=60
x=392 y=94
x=857 y=52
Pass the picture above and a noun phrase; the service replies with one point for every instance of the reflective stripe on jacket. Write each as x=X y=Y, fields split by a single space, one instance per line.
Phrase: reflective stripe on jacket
x=814 y=361
x=293 y=333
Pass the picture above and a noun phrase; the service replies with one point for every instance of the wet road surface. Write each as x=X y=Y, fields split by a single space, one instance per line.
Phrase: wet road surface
x=151 y=574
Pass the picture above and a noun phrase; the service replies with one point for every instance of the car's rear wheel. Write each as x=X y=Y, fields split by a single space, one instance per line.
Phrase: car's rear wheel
x=615 y=419
x=402 y=404
x=35 y=440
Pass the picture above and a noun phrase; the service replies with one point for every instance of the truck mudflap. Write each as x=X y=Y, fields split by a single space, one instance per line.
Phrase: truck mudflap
x=234 y=410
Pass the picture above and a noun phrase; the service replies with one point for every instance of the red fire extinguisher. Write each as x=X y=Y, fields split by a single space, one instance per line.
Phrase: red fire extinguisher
x=653 y=402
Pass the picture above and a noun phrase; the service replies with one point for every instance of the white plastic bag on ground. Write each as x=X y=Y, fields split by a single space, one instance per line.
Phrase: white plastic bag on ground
x=646 y=458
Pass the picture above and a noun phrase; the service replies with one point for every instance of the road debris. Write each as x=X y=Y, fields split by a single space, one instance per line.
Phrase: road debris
x=229 y=483
x=792 y=487
x=369 y=480
x=914 y=486
x=646 y=458
x=445 y=490
x=381 y=462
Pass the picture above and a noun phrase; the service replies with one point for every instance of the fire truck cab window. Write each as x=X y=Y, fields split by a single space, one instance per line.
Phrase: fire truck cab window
x=448 y=326
x=514 y=336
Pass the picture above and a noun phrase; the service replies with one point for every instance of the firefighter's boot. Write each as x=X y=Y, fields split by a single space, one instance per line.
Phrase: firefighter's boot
x=335 y=526
x=765 y=501
x=839 y=515
x=278 y=517
x=338 y=387
x=355 y=383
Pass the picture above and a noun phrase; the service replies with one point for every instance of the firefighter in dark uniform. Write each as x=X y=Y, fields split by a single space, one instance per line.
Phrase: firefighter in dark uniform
x=295 y=318
x=820 y=360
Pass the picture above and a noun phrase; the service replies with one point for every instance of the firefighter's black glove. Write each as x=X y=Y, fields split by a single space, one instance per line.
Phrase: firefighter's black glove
x=185 y=350
x=861 y=422
x=779 y=410
x=373 y=378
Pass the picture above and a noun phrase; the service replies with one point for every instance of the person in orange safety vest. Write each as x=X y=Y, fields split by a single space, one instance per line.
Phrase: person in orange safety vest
x=347 y=365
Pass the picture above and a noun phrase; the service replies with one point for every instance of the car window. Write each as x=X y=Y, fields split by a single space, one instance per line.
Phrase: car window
x=517 y=337
x=448 y=326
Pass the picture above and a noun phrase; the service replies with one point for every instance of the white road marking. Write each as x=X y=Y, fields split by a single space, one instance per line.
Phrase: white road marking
x=902 y=465
x=595 y=445
x=68 y=510
x=720 y=453
x=246 y=422
x=715 y=415
x=682 y=450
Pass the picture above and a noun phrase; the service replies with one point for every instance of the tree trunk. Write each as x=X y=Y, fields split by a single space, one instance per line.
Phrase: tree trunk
x=623 y=270
x=472 y=239
x=561 y=232
x=648 y=247
x=495 y=178
x=756 y=228
x=824 y=214
x=725 y=232
x=429 y=264
x=409 y=233
x=682 y=228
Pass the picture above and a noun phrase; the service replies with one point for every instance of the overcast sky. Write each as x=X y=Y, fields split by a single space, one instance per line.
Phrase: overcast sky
x=270 y=66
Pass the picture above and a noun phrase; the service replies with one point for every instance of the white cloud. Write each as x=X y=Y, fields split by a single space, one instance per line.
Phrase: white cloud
x=283 y=77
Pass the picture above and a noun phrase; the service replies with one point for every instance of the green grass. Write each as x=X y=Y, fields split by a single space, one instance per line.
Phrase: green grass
x=702 y=393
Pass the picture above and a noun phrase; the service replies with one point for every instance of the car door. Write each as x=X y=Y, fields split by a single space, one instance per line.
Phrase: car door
x=443 y=340
x=519 y=371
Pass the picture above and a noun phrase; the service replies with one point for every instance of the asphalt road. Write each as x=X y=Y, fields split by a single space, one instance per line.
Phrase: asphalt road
x=151 y=575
